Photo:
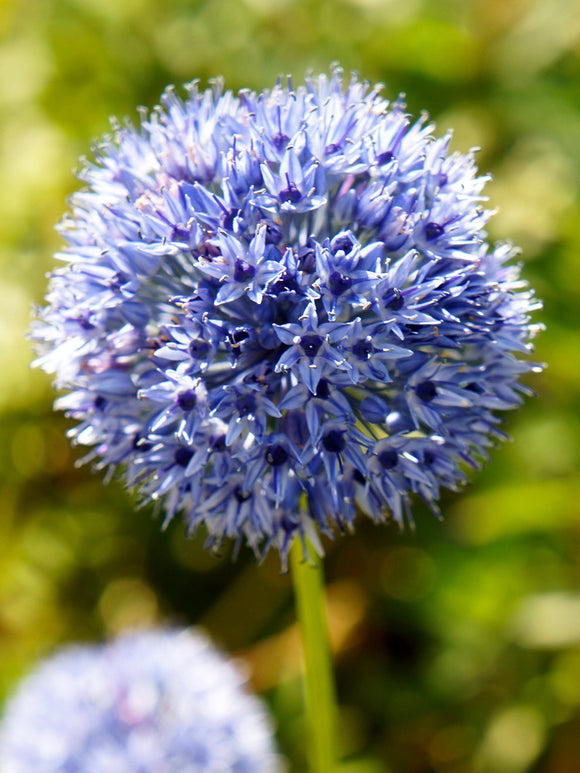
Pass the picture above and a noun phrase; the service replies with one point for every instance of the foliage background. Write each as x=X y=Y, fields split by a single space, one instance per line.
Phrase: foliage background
x=458 y=647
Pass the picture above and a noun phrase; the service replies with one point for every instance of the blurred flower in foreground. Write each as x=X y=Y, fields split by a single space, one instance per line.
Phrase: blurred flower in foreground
x=152 y=702
x=278 y=307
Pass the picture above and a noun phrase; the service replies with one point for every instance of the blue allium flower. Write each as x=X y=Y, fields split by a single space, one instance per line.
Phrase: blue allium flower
x=280 y=308
x=150 y=702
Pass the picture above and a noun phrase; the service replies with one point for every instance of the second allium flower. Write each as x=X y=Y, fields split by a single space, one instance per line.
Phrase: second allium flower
x=150 y=702
x=276 y=307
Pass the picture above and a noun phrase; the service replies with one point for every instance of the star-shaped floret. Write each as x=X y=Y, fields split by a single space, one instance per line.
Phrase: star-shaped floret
x=310 y=353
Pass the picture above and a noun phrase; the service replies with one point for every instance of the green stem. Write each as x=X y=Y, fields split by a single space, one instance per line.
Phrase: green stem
x=319 y=690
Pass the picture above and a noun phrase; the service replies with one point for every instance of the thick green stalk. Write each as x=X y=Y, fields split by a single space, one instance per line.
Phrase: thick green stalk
x=321 y=712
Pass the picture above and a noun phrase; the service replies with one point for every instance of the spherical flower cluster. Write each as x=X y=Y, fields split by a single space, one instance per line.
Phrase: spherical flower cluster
x=153 y=702
x=279 y=308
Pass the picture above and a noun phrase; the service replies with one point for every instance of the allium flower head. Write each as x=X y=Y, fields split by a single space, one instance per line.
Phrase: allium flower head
x=152 y=702
x=277 y=308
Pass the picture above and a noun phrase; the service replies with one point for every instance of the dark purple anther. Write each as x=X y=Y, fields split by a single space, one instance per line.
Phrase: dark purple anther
x=428 y=458
x=291 y=194
x=393 y=299
x=180 y=234
x=288 y=524
x=229 y=217
x=217 y=442
x=307 y=259
x=433 y=231
x=187 y=400
x=246 y=403
x=388 y=459
x=338 y=283
x=426 y=391
x=100 y=403
x=280 y=140
x=119 y=280
x=182 y=456
x=276 y=455
x=474 y=387
x=273 y=233
x=343 y=243
x=139 y=444
x=208 y=251
x=286 y=283
x=199 y=349
x=238 y=335
x=323 y=389
x=85 y=322
x=243 y=271
x=332 y=148
x=334 y=441
x=311 y=344
x=241 y=495
x=385 y=158
x=363 y=349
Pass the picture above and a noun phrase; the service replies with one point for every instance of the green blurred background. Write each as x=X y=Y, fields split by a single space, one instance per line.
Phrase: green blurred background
x=458 y=647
